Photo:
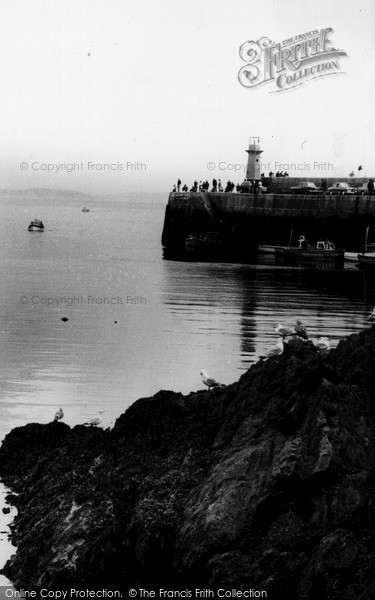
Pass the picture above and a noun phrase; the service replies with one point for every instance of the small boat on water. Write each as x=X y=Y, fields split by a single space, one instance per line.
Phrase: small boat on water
x=36 y=225
x=204 y=245
x=85 y=209
x=322 y=253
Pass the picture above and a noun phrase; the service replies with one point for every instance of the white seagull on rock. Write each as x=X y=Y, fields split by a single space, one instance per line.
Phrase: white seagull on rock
x=59 y=415
x=209 y=381
x=284 y=330
x=322 y=344
x=93 y=422
x=276 y=350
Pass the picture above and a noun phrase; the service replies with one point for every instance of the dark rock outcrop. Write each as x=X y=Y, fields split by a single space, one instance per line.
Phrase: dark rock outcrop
x=266 y=484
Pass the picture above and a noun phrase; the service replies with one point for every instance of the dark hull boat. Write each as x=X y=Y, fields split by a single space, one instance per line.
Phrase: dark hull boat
x=36 y=225
x=310 y=256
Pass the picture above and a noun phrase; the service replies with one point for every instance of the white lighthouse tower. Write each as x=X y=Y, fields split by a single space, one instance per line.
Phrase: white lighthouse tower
x=253 y=170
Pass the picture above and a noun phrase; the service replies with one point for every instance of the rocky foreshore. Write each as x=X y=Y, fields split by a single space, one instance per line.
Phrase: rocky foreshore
x=265 y=484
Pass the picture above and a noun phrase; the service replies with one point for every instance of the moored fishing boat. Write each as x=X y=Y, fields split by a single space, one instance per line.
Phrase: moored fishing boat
x=322 y=253
x=36 y=225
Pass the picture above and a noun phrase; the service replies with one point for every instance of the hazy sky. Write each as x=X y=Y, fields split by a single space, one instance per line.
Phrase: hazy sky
x=156 y=82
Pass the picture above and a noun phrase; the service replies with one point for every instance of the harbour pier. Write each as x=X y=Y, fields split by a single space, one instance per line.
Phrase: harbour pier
x=246 y=221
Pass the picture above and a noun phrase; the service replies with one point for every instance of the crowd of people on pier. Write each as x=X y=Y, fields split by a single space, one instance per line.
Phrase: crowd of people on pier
x=204 y=186
x=252 y=186
x=278 y=174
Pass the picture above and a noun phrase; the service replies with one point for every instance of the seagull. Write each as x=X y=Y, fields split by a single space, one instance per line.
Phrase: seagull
x=284 y=330
x=372 y=316
x=209 y=381
x=59 y=415
x=93 y=422
x=301 y=330
x=276 y=350
x=322 y=344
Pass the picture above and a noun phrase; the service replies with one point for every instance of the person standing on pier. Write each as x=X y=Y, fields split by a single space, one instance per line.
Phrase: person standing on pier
x=178 y=184
x=214 y=185
x=370 y=187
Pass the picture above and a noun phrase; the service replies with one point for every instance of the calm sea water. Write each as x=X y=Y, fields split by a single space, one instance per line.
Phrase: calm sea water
x=137 y=323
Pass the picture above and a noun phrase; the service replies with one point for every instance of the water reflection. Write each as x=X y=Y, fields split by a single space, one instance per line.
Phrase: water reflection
x=245 y=302
x=217 y=317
